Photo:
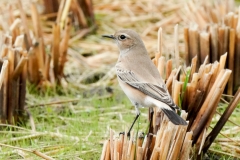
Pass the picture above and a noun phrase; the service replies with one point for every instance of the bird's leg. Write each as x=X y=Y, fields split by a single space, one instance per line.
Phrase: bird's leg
x=128 y=134
x=151 y=120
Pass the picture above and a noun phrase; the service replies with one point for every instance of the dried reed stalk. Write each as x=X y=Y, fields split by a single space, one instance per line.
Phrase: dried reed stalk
x=200 y=94
x=224 y=37
x=204 y=46
x=3 y=66
x=193 y=43
x=81 y=12
x=27 y=59
x=3 y=89
x=40 y=51
x=160 y=42
x=186 y=40
x=51 y=6
x=168 y=139
x=230 y=58
x=176 y=45
x=55 y=49
x=159 y=146
x=11 y=89
x=203 y=90
x=213 y=134
x=64 y=47
x=12 y=81
x=33 y=40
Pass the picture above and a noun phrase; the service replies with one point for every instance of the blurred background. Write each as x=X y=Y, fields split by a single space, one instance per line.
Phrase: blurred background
x=58 y=89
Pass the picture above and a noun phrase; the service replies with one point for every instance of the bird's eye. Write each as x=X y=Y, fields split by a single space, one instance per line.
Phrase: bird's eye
x=122 y=37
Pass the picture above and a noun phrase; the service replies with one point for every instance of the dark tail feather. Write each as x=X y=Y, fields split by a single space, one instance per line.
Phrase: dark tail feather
x=174 y=117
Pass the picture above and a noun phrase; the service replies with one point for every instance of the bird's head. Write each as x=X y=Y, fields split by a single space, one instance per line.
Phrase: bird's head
x=126 y=39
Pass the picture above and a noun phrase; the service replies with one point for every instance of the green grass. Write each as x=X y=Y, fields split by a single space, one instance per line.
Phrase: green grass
x=77 y=130
x=70 y=130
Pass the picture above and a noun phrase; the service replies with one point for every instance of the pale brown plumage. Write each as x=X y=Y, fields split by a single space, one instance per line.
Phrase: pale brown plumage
x=139 y=78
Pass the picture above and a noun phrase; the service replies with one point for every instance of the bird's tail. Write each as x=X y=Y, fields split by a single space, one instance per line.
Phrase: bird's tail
x=174 y=117
x=170 y=113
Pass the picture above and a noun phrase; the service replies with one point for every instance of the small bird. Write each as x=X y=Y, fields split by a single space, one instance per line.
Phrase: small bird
x=139 y=78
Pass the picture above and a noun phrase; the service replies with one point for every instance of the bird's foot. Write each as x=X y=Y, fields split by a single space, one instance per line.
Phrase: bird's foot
x=123 y=133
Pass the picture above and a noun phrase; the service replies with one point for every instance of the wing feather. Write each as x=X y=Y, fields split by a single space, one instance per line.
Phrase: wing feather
x=158 y=92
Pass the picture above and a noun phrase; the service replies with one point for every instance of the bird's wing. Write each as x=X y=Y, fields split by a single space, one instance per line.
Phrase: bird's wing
x=158 y=92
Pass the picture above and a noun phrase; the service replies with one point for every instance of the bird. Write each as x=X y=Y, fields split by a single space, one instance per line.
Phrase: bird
x=139 y=78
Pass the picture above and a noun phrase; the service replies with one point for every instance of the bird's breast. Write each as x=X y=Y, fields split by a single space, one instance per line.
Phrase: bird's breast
x=132 y=93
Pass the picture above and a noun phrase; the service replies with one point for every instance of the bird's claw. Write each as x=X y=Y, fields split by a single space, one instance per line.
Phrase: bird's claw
x=123 y=133
x=128 y=134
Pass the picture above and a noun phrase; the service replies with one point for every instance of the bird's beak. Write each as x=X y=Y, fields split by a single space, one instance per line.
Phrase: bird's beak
x=108 y=36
